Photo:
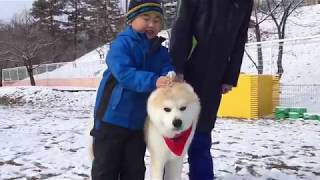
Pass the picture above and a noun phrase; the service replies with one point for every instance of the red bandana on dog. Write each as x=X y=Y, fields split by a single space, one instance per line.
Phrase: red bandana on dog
x=176 y=144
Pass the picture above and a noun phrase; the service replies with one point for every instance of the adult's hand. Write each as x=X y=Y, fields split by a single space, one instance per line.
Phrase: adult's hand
x=225 y=88
x=179 y=78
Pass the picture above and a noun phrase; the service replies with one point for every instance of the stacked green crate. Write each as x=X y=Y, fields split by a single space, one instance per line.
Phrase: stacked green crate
x=294 y=115
x=314 y=116
x=298 y=110
x=311 y=116
x=307 y=116
x=281 y=112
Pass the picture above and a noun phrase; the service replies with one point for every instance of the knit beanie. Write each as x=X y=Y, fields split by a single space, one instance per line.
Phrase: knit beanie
x=137 y=7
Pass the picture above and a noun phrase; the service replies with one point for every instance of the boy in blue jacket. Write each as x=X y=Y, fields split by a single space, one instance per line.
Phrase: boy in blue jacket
x=137 y=64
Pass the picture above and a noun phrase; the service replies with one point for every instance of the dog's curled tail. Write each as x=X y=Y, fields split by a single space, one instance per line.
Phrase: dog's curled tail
x=89 y=139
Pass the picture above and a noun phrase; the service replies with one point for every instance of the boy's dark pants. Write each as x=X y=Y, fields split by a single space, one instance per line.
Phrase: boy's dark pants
x=119 y=154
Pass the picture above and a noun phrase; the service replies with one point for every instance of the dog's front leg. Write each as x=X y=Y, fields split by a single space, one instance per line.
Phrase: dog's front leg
x=157 y=168
x=173 y=169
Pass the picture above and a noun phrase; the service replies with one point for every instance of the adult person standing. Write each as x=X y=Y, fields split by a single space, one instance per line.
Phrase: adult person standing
x=212 y=68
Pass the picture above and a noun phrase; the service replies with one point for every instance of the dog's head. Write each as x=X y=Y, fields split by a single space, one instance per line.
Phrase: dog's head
x=174 y=109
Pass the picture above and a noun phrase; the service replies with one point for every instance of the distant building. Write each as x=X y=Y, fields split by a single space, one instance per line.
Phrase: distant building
x=311 y=2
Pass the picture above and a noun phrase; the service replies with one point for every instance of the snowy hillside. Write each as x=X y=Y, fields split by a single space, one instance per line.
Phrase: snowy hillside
x=301 y=58
x=89 y=65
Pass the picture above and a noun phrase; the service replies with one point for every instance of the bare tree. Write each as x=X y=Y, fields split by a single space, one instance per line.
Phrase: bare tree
x=24 y=43
x=255 y=22
x=1 y=63
x=170 y=8
x=279 y=11
x=1 y=67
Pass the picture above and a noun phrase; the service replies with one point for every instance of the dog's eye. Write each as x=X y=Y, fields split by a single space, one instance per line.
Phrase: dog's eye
x=166 y=109
x=183 y=108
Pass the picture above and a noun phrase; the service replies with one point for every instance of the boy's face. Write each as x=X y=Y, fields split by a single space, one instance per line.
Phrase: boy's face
x=149 y=23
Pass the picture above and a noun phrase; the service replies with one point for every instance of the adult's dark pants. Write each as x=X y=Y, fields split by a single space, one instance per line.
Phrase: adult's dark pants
x=119 y=154
x=199 y=157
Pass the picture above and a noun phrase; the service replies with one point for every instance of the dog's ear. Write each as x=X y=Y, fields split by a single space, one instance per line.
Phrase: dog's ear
x=190 y=89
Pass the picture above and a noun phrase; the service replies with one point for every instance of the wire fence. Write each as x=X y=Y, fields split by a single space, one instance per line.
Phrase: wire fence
x=301 y=95
x=20 y=73
x=65 y=70
x=300 y=81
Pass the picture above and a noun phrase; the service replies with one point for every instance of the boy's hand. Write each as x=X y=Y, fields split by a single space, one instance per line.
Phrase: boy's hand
x=164 y=81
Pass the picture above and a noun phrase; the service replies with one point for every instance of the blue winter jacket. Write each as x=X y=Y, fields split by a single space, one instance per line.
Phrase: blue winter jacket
x=135 y=68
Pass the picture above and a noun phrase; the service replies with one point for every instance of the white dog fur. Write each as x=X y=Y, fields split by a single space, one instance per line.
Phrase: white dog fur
x=164 y=106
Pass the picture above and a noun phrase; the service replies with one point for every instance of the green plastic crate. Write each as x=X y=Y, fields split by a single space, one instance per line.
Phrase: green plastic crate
x=307 y=116
x=314 y=117
x=310 y=116
x=299 y=110
x=281 y=109
x=281 y=112
x=294 y=115
x=280 y=116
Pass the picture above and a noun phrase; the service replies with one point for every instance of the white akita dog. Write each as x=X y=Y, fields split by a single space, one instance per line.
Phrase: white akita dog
x=172 y=118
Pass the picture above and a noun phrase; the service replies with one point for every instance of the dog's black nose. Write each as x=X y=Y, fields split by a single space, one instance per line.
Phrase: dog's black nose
x=177 y=123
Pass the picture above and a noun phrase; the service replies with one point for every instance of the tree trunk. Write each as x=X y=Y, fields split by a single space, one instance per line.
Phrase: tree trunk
x=30 y=73
x=75 y=32
x=0 y=76
x=260 y=59
x=51 y=26
x=281 y=35
x=29 y=67
x=279 y=61
x=259 y=49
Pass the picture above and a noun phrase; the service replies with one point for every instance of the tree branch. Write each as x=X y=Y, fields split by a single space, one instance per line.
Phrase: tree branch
x=8 y=59
x=268 y=13
x=295 y=7
x=251 y=59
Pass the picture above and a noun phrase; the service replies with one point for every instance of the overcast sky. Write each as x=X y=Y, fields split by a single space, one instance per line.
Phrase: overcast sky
x=9 y=7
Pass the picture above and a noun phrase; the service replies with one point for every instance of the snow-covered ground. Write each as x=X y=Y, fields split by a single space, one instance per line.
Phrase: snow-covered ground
x=42 y=137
